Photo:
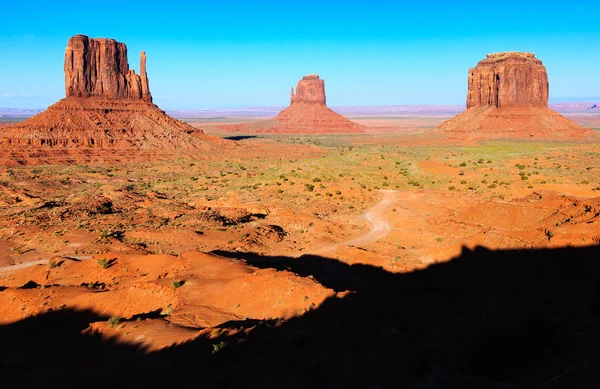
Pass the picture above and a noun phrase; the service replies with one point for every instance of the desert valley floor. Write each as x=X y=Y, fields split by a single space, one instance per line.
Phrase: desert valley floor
x=308 y=259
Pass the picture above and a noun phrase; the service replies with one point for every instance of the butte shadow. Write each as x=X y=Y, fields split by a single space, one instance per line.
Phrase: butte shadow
x=507 y=98
x=487 y=319
x=107 y=115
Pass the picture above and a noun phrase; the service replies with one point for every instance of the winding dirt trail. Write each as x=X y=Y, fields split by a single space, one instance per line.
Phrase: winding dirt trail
x=380 y=228
x=375 y=215
x=25 y=265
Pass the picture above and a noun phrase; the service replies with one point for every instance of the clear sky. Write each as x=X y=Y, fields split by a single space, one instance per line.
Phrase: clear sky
x=249 y=53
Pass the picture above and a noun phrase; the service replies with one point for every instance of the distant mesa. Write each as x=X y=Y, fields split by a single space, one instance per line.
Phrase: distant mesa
x=307 y=114
x=310 y=90
x=108 y=107
x=508 y=80
x=508 y=98
x=308 y=111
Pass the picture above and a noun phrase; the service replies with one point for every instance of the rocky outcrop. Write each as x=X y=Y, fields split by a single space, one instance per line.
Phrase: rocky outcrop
x=311 y=90
x=99 y=67
x=308 y=112
x=510 y=79
x=508 y=98
x=144 y=78
x=107 y=116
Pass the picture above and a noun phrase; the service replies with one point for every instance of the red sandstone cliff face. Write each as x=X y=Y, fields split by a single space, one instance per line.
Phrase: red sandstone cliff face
x=311 y=89
x=99 y=67
x=508 y=98
x=508 y=80
x=107 y=116
x=308 y=112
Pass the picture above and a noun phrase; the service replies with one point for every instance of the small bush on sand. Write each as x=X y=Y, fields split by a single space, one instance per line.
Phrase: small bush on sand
x=177 y=284
x=114 y=321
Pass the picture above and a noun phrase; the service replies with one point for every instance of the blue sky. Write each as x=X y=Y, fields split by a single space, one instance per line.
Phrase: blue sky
x=249 y=53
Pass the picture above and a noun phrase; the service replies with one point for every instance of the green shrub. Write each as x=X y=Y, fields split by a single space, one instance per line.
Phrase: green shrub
x=177 y=284
x=218 y=347
x=113 y=321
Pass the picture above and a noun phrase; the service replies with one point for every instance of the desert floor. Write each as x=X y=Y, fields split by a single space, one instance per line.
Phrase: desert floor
x=268 y=241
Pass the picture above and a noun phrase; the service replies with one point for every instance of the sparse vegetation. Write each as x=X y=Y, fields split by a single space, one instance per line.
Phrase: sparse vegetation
x=177 y=284
x=219 y=347
x=114 y=321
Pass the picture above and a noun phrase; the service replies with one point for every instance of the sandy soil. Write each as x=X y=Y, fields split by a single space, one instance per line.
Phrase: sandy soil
x=208 y=250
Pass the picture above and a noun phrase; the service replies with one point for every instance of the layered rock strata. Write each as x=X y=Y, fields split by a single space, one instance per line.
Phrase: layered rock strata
x=508 y=80
x=310 y=89
x=508 y=98
x=99 y=67
x=108 y=106
x=308 y=111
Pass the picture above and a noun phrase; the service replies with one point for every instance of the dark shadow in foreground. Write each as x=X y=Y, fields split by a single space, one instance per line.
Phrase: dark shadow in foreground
x=488 y=319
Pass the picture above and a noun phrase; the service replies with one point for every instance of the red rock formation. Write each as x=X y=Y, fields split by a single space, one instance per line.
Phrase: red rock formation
x=308 y=113
x=508 y=98
x=108 y=107
x=99 y=67
x=311 y=90
x=508 y=80
x=144 y=78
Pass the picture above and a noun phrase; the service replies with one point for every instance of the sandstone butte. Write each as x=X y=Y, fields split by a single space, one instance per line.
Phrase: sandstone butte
x=107 y=115
x=307 y=113
x=308 y=109
x=508 y=98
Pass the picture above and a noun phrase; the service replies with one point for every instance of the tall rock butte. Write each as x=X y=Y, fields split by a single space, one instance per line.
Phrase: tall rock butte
x=508 y=98
x=309 y=113
x=508 y=80
x=311 y=90
x=99 y=67
x=107 y=107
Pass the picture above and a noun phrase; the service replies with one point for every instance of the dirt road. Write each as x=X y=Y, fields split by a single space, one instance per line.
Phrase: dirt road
x=380 y=227
x=20 y=266
x=375 y=215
